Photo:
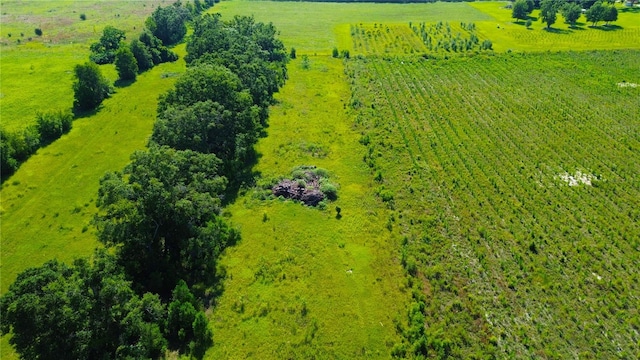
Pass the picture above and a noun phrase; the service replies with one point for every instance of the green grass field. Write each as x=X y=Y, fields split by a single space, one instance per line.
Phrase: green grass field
x=478 y=154
x=37 y=74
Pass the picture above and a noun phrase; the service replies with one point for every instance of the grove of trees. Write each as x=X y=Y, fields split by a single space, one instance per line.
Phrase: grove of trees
x=159 y=219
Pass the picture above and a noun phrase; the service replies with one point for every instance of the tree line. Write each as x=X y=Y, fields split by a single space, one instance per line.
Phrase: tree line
x=160 y=217
x=570 y=10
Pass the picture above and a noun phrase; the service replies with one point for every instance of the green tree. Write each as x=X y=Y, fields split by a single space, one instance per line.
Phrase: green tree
x=169 y=23
x=104 y=51
x=571 y=13
x=596 y=13
x=531 y=5
x=143 y=57
x=250 y=49
x=520 y=10
x=549 y=11
x=83 y=311
x=161 y=216
x=90 y=87
x=610 y=14
x=126 y=64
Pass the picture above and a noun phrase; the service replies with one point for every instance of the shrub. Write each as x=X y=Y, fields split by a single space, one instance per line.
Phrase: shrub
x=51 y=125
x=335 y=53
x=83 y=17
x=292 y=54
x=90 y=87
x=38 y=32
x=329 y=190
x=126 y=64
x=345 y=54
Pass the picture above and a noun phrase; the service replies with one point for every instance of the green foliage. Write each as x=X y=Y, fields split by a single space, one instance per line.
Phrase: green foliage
x=187 y=325
x=292 y=53
x=571 y=13
x=104 y=51
x=596 y=13
x=84 y=311
x=51 y=125
x=549 y=11
x=141 y=53
x=126 y=64
x=444 y=37
x=335 y=53
x=38 y=32
x=520 y=10
x=161 y=216
x=90 y=87
x=610 y=14
x=169 y=23
x=83 y=17
x=249 y=48
x=159 y=53
x=305 y=63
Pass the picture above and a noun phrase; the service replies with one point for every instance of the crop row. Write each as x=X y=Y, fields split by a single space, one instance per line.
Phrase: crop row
x=491 y=138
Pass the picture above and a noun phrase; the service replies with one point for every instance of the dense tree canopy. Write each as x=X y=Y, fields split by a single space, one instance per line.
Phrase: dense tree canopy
x=247 y=48
x=90 y=87
x=104 y=51
x=161 y=215
x=81 y=312
x=169 y=23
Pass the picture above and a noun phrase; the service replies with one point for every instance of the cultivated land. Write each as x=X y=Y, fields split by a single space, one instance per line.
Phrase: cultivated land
x=476 y=159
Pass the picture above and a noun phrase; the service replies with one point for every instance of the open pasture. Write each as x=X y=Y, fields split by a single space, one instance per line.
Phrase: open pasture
x=36 y=73
x=515 y=179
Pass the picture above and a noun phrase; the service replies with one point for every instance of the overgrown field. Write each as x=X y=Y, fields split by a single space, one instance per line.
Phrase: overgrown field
x=514 y=180
x=304 y=282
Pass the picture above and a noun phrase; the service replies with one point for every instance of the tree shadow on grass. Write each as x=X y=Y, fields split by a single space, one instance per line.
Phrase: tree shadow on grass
x=607 y=27
x=123 y=83
x=576 y=27
x=80 y=113
x=631 y=10
x=557 y=31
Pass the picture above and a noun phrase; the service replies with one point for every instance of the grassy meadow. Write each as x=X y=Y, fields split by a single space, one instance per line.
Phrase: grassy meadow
x=37 y=72
x=508 y=181
x=303 y=282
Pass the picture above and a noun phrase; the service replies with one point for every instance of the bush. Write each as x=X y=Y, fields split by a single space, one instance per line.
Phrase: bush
x=38 y=32
x=126 y=64
x=90 y=87
x=51 y=125
x=335 y=52
x=292 y=54
x=345 y=54
x=83 y=17
x=329 y=190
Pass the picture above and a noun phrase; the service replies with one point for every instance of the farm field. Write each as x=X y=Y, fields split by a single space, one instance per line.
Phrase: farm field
x=521 y=210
